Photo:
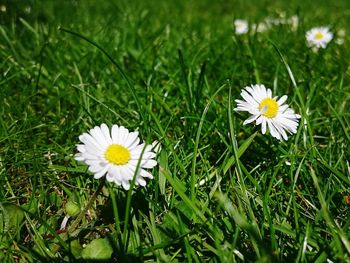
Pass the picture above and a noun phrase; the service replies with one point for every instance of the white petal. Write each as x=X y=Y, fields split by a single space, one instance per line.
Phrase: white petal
x=134 y=144
x=132 y=139
x=93 y=151
x=282 y=100
x=96 y=163
x=280 y=130
x=79 y=157
x=269 y=93
x=288 y=124
x=128 y=172
x=272 y=130
x=87 y=139
x=136 y=155
x=248 y=98
x=90 y=156
x=282 y=108
x=249 y=89
x=117 y=182
x=250 y=119
x=149 y=164
x=278 y=134
x=117 y=172
x=115 y=133
x=134 y=162
x=81 y=148
x=259 y=120
x=240 y=101
x=244 y=108
x=141 y=181
x=138 y=149
x=263 y=126
x=101 y=173
x=123 y=134
x=98 y=136
x=239 y=108
x=262 y=92
x=110 y=176
x=126 y=185
x=148 y=155
x=106 y=134
x=145 y=173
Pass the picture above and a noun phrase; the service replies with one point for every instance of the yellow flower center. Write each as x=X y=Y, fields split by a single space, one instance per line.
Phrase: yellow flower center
x=269 y=107
x=319 y=35
x=117 y=154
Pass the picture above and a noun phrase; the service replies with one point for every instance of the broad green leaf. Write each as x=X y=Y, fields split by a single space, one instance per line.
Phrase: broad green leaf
x=98 y=249
x=76 y=249
x=11 y=218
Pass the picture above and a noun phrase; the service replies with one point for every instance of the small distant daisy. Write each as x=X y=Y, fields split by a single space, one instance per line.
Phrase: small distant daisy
x=116 y=152
x=294 y=22
x=340 y=36
x=241 y=26
x=319 y=37
x=259 y=28
x=268 y=111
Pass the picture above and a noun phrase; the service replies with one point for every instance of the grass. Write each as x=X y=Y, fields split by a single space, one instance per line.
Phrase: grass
x=222 y=192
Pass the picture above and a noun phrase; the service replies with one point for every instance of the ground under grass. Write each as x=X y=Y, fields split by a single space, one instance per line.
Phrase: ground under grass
x=222 y=192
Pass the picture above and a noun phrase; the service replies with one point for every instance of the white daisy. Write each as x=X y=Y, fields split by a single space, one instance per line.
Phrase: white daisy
x=268 y=111
x=294 y=22
x=116 y=153
x=340 y=36
x=260 y=27
x=241 y=26
x=319 y=37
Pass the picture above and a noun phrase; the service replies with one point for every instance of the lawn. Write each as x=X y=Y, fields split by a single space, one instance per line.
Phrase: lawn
x=172 y=71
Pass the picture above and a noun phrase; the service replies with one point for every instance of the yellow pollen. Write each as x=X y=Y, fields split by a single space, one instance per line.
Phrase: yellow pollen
x=319 y=35
x=269 y=107
x=117 y=154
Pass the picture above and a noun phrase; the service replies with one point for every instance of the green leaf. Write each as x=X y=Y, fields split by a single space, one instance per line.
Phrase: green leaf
x=11 y=218
x=98 y=249
x=76 y=249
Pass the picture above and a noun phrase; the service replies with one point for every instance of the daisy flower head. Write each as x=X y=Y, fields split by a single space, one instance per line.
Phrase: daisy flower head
x=116 y=153
x=319 y=37
x=260 y=27
x=340 y=36
x=241 y=26
x=268 y=111
x=294 y=22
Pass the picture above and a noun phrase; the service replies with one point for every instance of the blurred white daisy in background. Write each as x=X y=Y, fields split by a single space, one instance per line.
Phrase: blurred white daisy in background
x=270 y=21
x=27 y=9
x=259 y=28
x=340 y=36
x=268 y=111
x=116 y=154
x=241 y=26
x=319 y=37
x=294 y=22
